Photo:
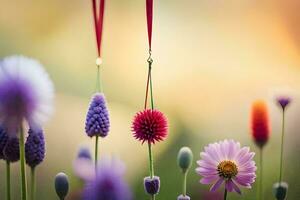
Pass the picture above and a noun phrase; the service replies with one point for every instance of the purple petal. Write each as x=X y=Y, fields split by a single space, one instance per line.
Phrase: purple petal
x=217 y=185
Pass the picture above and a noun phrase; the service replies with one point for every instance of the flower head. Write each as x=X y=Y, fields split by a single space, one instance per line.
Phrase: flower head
x=150 y=125
x=84 y=152
x=3 y=141
x=35 y=148
x=227 y=162
x=97 y=119
x=280 y=190
x=26 y=93
x=61 y=184
x=283 y=101
x=107 y=183
x=260 y=128
x=11 y=150
x=185 y=158
x=152 y=185
x=182 y=197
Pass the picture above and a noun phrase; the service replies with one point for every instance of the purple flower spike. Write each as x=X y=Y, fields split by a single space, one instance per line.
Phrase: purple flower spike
x=181 y=197
x=35 y=148
x=152 y=185
x=11 y=150
x=284 y=101
x=3 y=141
x=97 y=120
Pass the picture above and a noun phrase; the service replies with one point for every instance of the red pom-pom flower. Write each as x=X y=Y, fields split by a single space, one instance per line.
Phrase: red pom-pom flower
x=260 y=128
x=150 y=125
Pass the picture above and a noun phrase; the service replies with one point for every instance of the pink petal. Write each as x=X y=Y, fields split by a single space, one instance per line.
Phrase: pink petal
x=236 y=188
x=229 y=186
x=216 y=185
x=208 y=179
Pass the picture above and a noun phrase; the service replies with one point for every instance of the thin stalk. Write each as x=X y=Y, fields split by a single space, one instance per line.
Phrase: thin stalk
x=96 y=152
x=151 y=87
x=282 y=143
x=98 y=80
x=260 y=188
x=8 y=195
x=33 y=184
x=151 y=166
x=184 y=183
x=22 y=161
x=225 y=194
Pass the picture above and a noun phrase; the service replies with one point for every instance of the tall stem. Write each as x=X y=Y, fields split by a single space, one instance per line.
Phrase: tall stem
x=260 y=188
x=151 y=167
x=96 y=152
x=225 y=194
x=22 y=161
x=33 y=184
x=282 y=143
x=184 y=183
x=8 y=196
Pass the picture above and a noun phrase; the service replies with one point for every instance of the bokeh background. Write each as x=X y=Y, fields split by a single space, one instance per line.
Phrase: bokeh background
x=212 y=58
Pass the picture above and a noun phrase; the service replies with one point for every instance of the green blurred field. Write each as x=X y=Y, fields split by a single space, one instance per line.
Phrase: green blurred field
x=212 y=58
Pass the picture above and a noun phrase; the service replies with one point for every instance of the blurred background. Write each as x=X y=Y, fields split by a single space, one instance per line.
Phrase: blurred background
x=212 y=59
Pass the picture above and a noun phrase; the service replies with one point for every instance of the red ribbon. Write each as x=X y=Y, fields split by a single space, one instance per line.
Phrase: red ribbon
x=149 y=11
x=98 y=21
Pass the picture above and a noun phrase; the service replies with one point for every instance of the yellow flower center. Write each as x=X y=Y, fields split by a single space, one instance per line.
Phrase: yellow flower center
x=227 y=169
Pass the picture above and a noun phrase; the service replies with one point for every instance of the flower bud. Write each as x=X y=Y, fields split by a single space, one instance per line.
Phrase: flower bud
x=152 y=185
x=280 y=190
x=61 y=185
x=185 y=158
x=181 y=197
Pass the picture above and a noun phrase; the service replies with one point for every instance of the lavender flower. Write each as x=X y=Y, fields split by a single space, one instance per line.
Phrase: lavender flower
x=97 y=120
x=283 y=101
x=11 y=150
x=227 y=162
x=35 y=148
x=26 y=93
x=105 y=184
x=3 y=141
x=152 y=185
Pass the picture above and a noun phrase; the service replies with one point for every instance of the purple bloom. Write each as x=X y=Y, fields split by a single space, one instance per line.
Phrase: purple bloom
x=106 y=184
x=3 y=141
x=11 y=150
x=283 y=101
x=84 y=152
x=61 y=185
x=97 y=119
x=152 y=185
x=181 y=197
x=227 y=162
x=35 y=147
x=26 y=93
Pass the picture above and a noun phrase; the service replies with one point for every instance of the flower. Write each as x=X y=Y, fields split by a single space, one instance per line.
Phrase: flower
x=150 y=125
x=152 y=185
x=3 y=141
x=227 y=162
x=35 y=148
x=181 y=197
x=61 y=184
x=260 y=123
x=11 y=150
x=84 y=152
x=283 y=101
x=107 y=183
x=185 y=158
x=26 y=92
x=97 y=119
x=280 y=190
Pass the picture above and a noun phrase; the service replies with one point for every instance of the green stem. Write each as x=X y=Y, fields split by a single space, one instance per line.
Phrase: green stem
x=225 y=194
x=8 y=196
x=22 y=161
x=151 y=166
x=282 y=143
x=260 y=188
x=33 y=184
x=184 y=183
x=151 y=87
x=96 y=152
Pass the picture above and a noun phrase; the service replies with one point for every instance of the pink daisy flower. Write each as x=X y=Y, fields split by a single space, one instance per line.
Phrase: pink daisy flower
x=226 y=162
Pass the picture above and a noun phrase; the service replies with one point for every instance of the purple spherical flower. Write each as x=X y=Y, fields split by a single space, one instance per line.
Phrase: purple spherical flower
x=226 y=162
x=26 y=93
x=11 y=150
x=35 y=147
x=3 y=141
x=283 y=101
x=152 y=185
x=97 y=119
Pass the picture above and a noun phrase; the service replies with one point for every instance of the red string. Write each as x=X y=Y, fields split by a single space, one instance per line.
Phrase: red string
x=149 y=11
x=98 y=22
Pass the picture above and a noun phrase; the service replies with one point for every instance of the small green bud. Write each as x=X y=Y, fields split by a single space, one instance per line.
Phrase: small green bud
x=61 y=185
x=185 y=158
x=280 y=190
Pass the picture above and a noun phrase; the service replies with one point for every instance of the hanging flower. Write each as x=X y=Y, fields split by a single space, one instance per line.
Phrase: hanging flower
x=3 y=141
x=283 y=101
x=26 y=93
x=107 y=183
x=11 y=150
x=260 y=128
x=226 y=162
x=35 y=148
x=150 y=125
x=97 y=120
